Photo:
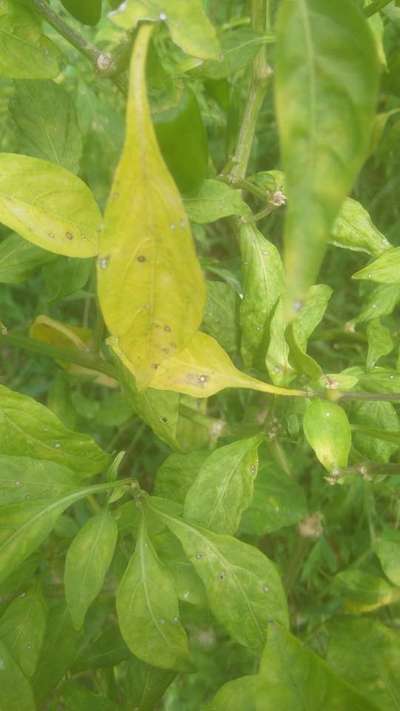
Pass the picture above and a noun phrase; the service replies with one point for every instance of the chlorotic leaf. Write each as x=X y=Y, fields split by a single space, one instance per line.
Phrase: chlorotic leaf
x=30 y=429
x=243 y=587
x=151 y=288
x=148 y=612
x=326 y=87
x=48 y=206
x=203 y=369
x=224 y=487
x=328 y=432
x=190 y=27
x=25 y=53
x=88 y=559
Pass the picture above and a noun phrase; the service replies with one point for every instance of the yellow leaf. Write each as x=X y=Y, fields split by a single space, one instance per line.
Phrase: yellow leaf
x=62 y=335
x=201 y=370
x=151 y=288
x=48 y=206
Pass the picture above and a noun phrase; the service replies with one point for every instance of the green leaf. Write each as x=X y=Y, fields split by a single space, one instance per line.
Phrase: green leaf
x=25 y=53
x=88 y=559
x=224 y=487
x=145 y=685
x=189 y=587
x=203 y=369
x=355 y=230
x=377 y=678
x=326 y=86
x=48 y=206
x=239 y=46
x=151 y=288
x=380 y=302
x=148 y=612
x=376 y=416
x=363 y=592
x=243 y=587
x=384 y=270
x=278 y=502
x=263 y=284
x=22 y=629
x=190 y=27
x=307 y=319
x=328 y=432
x=19 y=259
x=177 y=473
x=29 y=429
x=290 y=674
x=220 y=315
x=77 y=697
x=380 y=342
x=15 y=690
x=65 y=276
x=277 y=357
x=387 y=548
x=46 y=122
x=236 y=695
x=381 y=380
x=214 y=201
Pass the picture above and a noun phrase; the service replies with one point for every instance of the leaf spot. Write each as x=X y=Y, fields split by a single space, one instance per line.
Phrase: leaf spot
x=221 y=575
x=199 y=556
x=163 y=16
x=265 y=588
x=69 y=235
x=103 y=262
x=167 y=328
x=56 y=445
x=141 y=258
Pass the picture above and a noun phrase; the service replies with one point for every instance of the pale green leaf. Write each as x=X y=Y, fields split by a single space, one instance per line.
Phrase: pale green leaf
x=88 y=559
x=380 y=342
x=243 y=587
x=292 y=674
x=214 y=201
x=351 y=640
x=277 y=357
x=46 y=122
x=151 y=288
x=355 y=230
x=263 y=284
x=148 y=611
x=25 y=53
x=308 y=316
x=387 y=548
x=29 y=429
x=236 y=695
x=48 y=206
x=380 y=302
x=326 y=87
x=15 y=690
x=19 y=259
x=177 y=473
x=224 y=486
x=363 y=592
x=328 y=432
x=22 y=629
x=384 y=270
x=190 y=27
x=375 y=416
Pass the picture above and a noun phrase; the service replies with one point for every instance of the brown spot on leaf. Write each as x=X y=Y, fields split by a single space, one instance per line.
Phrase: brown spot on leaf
x=69 y=235
x=141 y=258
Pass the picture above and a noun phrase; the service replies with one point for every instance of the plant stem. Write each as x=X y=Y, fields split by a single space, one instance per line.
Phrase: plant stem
x=258 y=88
x=371 y=397
x=376 y=6
x=103 y=62
x=68 y=355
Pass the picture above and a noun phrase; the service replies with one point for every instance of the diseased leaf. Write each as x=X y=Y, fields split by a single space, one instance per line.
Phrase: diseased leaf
x=326 y=87
x=48 y=206
x=19 y=259
x=29 y=429
x=15 y=690
x=243 y=587
x=384 y=270
x=224 y=486
x=354 y=229
x=148 y=612
x=363 y=592
x=263 y=284
x=214 y=201
x=22 y=629
x=25 y=53
x=190 y=27
x=291 y=673
x=47 y=125
x=203 y=369
x=88 y=559
x=151 y=288
x=377 y=678
x=328 y=432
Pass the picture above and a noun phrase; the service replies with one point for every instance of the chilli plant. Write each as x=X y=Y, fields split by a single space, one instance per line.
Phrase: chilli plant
x=200 y=372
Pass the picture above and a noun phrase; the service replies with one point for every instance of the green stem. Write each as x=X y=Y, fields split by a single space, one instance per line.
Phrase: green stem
x=258 y=89
x=67 y=355
x=103 y=62
x=369 y=397
x=376 y=6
